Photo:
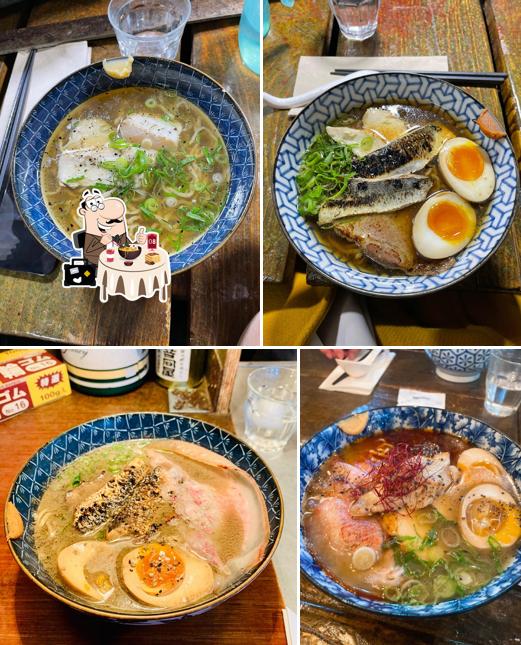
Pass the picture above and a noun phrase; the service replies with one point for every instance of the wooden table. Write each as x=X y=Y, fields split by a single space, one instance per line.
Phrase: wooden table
x=453 y=28
x=213 y=302
x=499 y=622
x=29 y=615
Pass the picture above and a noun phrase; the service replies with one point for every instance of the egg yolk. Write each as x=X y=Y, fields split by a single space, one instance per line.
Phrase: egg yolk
x=487 y=517
x=466 y=162
x=159 y=566
x=448 y=221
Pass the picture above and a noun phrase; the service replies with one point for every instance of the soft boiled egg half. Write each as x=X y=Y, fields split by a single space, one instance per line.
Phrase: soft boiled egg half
x=166 y=576
x=467 y=168
x=488 y=511
x=443 y=226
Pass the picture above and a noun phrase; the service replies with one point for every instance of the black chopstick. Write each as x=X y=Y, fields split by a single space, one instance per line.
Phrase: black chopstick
x=465 y=79
x=315 y=605
x=11 y=131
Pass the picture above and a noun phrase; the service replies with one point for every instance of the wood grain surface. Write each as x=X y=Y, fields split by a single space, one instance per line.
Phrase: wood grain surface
x=504 y=27
x=222 y=293
x=94 y=27
x=29 y=615
x=225 y=288
x=499 y=622
x=302 y=30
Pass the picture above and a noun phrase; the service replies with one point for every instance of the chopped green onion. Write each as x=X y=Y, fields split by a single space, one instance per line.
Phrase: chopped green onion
x=430 y=539
x=324 y=174
x=118 y=143
x=117 y=164
x=443 y=587
x=366 y=143
x=151 y=103
x=496 y=552
x=76 y=481
x=74 y=180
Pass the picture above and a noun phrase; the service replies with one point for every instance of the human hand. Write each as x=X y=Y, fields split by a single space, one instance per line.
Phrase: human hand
x=141 y=238
x=350 y=354
x=105 y=239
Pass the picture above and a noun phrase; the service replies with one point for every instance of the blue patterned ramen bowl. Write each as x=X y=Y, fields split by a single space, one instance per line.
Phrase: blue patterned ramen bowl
x=367 y=91
x=332 y=438
x=43 y=466
x=462 y=365
x=188 y=82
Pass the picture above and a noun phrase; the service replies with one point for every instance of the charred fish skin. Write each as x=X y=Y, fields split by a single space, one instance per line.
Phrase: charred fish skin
x=99 y=507
x=371 y=196
x=409 y=153
x=143 y=512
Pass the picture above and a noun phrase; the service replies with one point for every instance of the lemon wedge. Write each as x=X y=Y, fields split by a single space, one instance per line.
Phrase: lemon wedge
x=118 y=67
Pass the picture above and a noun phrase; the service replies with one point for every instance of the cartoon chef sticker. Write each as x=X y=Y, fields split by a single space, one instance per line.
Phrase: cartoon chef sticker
x=139 y=269
x=104 y=223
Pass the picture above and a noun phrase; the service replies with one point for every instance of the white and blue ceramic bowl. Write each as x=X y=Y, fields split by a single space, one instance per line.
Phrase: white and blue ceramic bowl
x=459 y=365
x=332 y=438
x=392 y=87
x=30 y=485
x=188 y=82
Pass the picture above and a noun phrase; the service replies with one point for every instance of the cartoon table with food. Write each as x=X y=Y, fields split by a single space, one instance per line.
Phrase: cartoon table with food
x=121 y=267
x=134 y=272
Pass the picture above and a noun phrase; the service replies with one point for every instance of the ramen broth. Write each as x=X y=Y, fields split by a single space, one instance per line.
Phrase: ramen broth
x=349 y=252
x=192 y=513
x=416 y=554
x=173 y=171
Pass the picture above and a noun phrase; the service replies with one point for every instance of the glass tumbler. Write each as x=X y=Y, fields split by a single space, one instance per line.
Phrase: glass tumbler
x=357 y=19
x=503 y=394
x=149 y=27
x=270 y=411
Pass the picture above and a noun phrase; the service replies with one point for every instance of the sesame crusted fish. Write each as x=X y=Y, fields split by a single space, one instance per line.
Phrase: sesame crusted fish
x=407 y=154
x=99 y=507
x=381 y=195
x=143 y=512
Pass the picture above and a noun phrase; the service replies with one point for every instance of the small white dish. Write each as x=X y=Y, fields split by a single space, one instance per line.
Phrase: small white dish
x=359 y=368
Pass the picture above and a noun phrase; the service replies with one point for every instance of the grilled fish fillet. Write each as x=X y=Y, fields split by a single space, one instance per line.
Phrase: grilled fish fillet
x=407 y=154
x=137 y=128
x=106 y=502
x=436 y=478
x=143 y=512
x=369 y=196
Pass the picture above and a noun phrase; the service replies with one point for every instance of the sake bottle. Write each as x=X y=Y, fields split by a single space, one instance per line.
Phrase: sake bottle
x=180 y=367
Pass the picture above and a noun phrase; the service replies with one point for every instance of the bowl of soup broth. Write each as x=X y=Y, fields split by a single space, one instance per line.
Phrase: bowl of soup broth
x=411 y=511
x=144 y=517
x=168 y=140
x=395 y=184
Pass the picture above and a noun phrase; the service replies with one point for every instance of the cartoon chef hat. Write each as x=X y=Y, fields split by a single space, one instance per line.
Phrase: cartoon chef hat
x=92 y=200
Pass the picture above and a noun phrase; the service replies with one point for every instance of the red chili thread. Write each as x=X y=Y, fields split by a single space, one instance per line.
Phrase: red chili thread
x=395 y=476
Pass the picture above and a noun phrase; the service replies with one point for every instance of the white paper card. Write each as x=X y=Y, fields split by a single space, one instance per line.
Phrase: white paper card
x=291 y=626
x=314 y=71
x=417 y=397
x=49 y=67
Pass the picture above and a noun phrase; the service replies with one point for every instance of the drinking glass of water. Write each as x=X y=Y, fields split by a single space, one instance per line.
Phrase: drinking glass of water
x=270 y=411
x=149 y=27
x=357 y=19
x=503 y=382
